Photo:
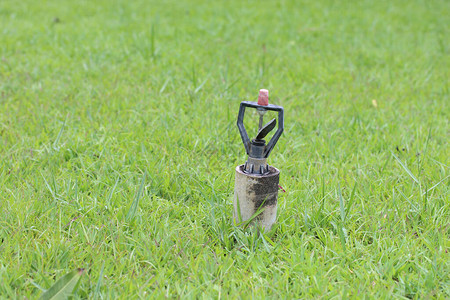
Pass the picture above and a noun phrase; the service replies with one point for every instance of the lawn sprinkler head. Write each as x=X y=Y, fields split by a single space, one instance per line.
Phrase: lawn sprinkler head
x=256 y=183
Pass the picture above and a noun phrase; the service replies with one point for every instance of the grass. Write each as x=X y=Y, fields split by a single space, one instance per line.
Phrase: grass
x=118 y=146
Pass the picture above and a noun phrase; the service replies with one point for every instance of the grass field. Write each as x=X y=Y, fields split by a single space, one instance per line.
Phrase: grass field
x=118 y=146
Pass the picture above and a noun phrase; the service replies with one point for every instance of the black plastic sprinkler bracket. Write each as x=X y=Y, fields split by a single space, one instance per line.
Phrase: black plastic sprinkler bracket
x=243 y=131
x=257 y=149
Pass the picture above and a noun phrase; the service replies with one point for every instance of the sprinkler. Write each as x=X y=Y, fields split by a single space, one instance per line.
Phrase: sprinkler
x=256 y=183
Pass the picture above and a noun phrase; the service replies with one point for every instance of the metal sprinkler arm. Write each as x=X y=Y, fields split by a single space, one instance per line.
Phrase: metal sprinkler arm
x=240 y=123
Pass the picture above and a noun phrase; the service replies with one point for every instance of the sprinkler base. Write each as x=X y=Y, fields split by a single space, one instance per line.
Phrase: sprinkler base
x=256 y=194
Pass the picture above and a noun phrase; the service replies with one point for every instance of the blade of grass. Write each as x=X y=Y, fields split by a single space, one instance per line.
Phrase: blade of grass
x=259 y=211
x=350 y=202
x=239 y=214
x=64 y=287
x=406 y=168
x=49 y=188
x=132 y=211
x=341 y=204
x=108 y=201
x=99 y=282
x=55 y=143
x=434 y=186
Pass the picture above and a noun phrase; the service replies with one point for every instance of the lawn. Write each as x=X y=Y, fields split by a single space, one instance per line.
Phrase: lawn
x=118 y=144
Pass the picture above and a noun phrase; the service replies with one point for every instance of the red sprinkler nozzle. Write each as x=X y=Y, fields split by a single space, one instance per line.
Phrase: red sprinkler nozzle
x=263 y=98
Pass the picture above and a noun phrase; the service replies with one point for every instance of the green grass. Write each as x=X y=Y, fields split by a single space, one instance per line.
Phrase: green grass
x=118 y=146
